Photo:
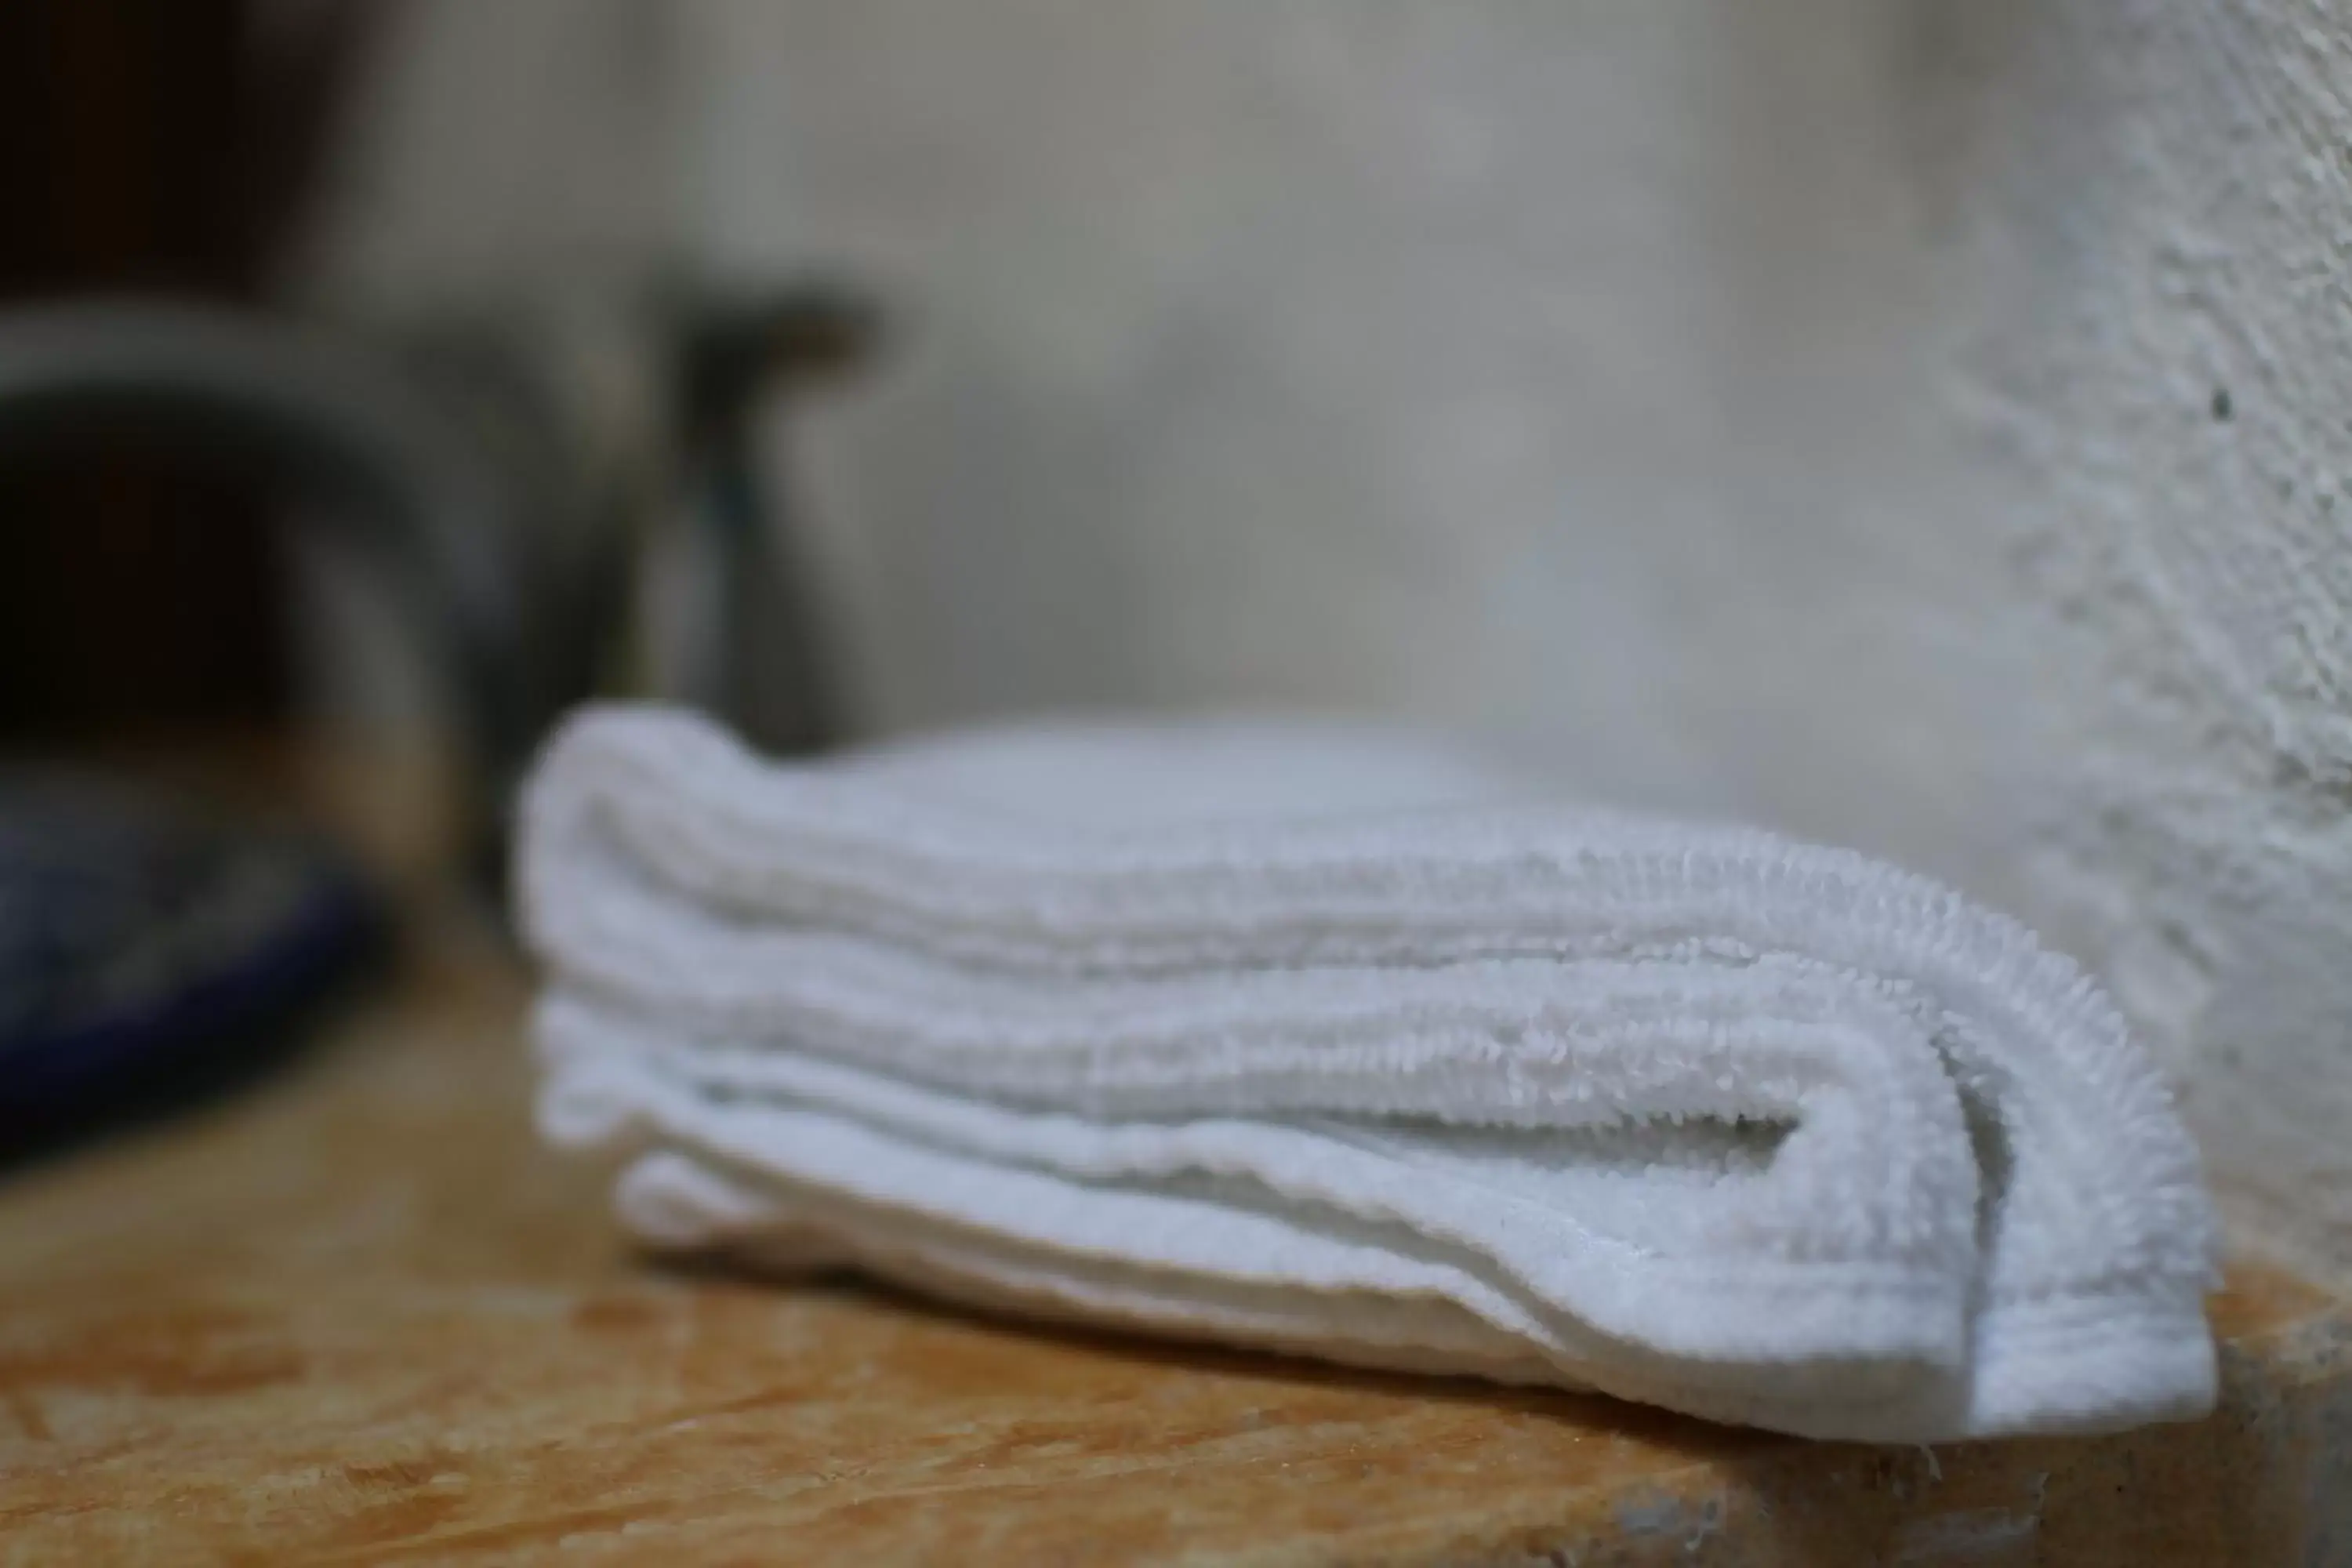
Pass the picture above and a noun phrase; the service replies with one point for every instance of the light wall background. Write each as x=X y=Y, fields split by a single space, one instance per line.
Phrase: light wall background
x=1918 y=423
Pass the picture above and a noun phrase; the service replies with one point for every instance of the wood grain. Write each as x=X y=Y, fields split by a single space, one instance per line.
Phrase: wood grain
x=359 y=1317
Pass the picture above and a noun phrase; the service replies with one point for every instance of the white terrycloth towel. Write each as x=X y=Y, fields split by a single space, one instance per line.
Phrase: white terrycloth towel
x=1350 y=1044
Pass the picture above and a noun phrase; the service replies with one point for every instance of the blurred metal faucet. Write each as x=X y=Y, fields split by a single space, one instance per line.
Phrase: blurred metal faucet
x=772 y=679
x=518 y=587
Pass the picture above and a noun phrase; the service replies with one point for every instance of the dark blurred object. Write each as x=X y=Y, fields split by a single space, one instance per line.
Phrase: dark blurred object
x=173 y=150
x=149 y=954
x=515 y=580
x=156 y=145
x=501 y=618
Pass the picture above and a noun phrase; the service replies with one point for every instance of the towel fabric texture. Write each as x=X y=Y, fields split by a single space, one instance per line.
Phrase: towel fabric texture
x=1349 y=1044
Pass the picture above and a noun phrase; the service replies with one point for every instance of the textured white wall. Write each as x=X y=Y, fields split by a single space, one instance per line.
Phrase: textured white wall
x=1802 y=412
x=517 y=146
x=1552 y=367
x=2153 y=201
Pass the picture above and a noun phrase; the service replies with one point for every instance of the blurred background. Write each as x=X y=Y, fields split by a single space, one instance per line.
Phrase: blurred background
x=1911 y=423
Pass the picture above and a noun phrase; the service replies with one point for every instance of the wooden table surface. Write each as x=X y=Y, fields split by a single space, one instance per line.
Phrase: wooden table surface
x=357 y=1316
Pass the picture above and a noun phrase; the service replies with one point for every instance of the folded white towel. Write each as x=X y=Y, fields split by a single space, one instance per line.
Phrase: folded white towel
x=1349 y=1045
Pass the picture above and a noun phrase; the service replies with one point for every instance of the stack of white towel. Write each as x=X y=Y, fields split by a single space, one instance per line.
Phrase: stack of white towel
x=1350 y=1044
